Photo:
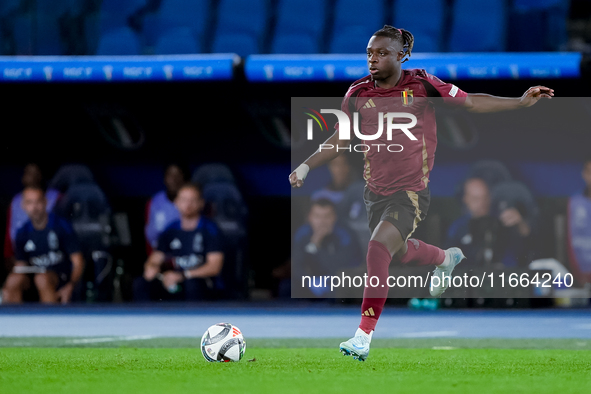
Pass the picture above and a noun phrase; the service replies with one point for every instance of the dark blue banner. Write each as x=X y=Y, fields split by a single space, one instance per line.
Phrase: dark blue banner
x=118 y=68
x=447 y=66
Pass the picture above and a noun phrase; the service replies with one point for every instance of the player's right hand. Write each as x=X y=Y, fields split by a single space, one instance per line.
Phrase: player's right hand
x=294 y=181
x=297 y=177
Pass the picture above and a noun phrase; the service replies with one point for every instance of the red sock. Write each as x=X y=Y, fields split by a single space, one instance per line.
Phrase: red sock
x=374 y=298
x=421 y=253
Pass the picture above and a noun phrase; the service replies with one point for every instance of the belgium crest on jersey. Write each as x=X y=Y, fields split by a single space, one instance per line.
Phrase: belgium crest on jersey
x=407 y=97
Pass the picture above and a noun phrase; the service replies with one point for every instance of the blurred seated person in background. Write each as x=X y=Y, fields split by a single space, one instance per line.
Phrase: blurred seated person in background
x=32 y=177
x=486 y=237
x=579 y=229
x=47 y=247
x=346 y=192
x=160 y=210
x=341 y=178
x=323 y=247
x=188 y=256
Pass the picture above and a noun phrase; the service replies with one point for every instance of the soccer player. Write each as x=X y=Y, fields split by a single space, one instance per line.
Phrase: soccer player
x=397 y=193
x=47 y=246
x=192 y=245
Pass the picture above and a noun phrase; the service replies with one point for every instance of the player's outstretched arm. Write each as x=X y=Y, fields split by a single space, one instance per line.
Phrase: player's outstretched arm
x=331 y=148
x=479 y=102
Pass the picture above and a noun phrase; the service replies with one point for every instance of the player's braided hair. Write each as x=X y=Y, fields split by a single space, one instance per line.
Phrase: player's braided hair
x=403 y=36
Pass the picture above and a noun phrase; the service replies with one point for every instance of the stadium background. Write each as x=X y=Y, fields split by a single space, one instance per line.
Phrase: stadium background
x=239 y=118
x=66 y=79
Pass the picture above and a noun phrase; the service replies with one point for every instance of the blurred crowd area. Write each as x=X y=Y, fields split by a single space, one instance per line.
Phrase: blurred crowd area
x=121 y=196
x=135 y=27
x=493 y=217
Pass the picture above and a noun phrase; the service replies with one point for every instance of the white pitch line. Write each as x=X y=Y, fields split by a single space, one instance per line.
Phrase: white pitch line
x=443 y=348
x=111 y=339
x=430 y=334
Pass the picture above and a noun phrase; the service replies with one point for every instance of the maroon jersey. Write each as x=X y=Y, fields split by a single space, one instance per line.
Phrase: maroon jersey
x=396 y=162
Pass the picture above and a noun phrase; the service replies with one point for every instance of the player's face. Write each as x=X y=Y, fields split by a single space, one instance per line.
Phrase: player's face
x=587 y=174
x=477 y=198
x=322 y=219
x=173 y=179
x=34 y=204
x=189 y=202
x=383 y=57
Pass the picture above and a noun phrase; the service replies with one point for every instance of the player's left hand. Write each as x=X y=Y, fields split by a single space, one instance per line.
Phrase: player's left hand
x=171 y=278
x=533 y=94
x=64 y=294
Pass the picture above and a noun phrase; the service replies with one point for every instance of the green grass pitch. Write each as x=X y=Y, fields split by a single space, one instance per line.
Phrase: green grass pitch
x=175 y=365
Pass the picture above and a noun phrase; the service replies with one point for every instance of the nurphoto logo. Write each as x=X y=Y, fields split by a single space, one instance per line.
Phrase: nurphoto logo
x=392 y=120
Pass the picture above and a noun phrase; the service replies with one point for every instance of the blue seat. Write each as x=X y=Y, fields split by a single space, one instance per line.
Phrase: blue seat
x=300 y=17
x=538 y=25
x=69 y=175
x=192 y=14
x=23 y=34
x=478 y=26
x=114 y=14
x=367 y=14
x=185 y=13
x=8 y=7
x=92 y=32
x=241 y=44
x=86 y=207
x=47 y=36
x=212 y=173
x=426 y=27
x=122 y=41
x=49 y=24
x=242 y=16
x=79 y=7
x=226 y=206
x=177 y=41
x=539 y=4
x=295 y=43
x=351 y=40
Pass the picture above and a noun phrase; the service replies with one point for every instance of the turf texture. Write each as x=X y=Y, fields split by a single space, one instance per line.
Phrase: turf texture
x=295 y=366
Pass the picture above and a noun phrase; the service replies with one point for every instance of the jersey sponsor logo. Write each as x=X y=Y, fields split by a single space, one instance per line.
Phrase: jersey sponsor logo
x=407 y=97
x=52 y=240
x=390 y=118
x=30 y=246
x=176 y=244
x=188 y=262
x=49 y=259
x=453 y=91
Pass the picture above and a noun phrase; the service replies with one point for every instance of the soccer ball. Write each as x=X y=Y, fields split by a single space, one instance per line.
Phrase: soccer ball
x=223 y=342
